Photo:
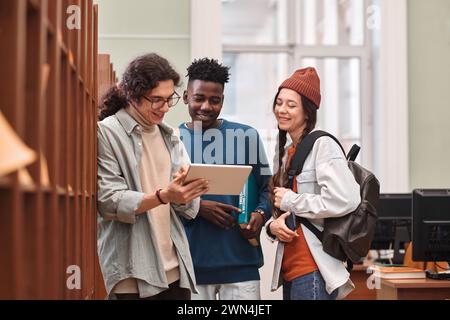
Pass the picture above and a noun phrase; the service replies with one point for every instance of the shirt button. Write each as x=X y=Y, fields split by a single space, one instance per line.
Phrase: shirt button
x=140 y=144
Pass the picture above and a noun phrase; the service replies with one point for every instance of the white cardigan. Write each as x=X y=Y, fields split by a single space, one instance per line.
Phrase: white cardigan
x=326 y=189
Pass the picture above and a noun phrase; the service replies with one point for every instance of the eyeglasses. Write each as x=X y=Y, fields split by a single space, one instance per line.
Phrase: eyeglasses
x=159 y=102
x=213 y=101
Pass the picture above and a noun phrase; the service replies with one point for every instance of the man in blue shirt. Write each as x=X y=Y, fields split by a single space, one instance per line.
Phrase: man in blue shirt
x=225 y=263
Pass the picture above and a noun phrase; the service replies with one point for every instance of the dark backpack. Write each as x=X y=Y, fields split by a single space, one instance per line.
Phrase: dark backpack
x=346 y=238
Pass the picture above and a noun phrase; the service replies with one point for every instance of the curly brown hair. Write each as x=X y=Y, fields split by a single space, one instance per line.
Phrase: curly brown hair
x=280 y=178
x=141 y=75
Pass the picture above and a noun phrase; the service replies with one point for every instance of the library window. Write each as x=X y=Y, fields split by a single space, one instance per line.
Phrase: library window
x=275 y=37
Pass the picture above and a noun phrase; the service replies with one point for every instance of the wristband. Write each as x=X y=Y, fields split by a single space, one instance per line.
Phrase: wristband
x=262 y=213
x=269 y=233
x=158 y=195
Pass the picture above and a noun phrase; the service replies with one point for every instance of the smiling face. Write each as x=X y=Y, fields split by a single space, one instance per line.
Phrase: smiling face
x=165 y=89
x=290 y=113
x=205 y=100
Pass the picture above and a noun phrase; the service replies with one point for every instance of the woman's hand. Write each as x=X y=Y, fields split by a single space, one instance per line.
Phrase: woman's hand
x=180 y=193
x=278 y=196
x=279 y=229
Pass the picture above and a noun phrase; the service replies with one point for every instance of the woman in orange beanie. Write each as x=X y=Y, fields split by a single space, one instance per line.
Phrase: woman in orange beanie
x=325 y=188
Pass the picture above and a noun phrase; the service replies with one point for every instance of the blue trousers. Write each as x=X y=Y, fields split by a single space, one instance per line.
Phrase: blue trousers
x=308 y=287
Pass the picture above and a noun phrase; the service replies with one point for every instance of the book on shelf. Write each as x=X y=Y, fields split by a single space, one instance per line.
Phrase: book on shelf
x=397 y=272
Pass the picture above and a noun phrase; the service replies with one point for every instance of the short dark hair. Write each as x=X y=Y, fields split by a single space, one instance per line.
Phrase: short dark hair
x=208 y=70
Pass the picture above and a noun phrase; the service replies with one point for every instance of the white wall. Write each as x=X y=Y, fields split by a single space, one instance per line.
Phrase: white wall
x=130 y=28
x=429 y=87
x=391 y=143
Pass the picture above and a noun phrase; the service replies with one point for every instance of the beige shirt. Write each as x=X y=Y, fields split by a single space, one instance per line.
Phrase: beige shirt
x=154 y=171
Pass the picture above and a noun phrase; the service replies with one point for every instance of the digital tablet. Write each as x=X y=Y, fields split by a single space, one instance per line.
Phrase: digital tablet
x=223 y=179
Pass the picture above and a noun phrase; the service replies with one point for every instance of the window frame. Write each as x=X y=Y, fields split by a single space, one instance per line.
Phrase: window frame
x=296 y=52
x=384 y=136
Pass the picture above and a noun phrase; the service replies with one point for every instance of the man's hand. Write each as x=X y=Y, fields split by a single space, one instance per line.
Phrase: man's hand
x=218 y=213
x=254 y=226
x=278 y=196
x=181 y=171
x=179 y=192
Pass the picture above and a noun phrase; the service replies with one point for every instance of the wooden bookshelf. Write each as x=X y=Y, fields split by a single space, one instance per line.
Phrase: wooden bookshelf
x=49 y=95
x=106 y=78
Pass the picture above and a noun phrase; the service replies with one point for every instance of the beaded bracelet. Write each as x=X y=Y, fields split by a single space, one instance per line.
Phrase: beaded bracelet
x=158 y=195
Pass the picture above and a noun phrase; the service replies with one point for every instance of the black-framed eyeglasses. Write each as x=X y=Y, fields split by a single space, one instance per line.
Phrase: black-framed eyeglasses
x=159 y=102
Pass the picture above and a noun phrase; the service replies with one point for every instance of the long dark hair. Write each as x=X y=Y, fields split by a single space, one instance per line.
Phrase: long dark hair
x=141 y=75
x=280 y=178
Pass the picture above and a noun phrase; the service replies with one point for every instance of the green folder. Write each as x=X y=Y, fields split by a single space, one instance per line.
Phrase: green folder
x=248 y=201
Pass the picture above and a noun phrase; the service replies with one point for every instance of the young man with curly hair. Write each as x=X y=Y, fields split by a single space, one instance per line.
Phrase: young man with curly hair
x=142 y=245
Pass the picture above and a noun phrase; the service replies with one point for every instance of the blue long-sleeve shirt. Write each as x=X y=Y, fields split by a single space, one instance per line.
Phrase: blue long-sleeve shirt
x=219 y=255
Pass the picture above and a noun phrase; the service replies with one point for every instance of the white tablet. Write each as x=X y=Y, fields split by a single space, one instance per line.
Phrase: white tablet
x=223 y=179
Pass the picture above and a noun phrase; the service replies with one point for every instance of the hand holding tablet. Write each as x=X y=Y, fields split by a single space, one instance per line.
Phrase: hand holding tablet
x=181 y=191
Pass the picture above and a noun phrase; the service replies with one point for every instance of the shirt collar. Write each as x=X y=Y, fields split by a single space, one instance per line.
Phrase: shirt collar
x=129 y=124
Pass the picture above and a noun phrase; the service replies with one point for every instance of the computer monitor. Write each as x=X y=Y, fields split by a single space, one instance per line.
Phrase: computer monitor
x=394 y=206
x=431 y=224
x=393 y=229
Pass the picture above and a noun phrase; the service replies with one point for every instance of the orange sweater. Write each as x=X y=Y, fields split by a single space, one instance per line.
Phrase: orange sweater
x=297 y=258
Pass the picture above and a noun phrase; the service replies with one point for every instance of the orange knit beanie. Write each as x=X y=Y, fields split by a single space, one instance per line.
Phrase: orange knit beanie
x=306 y=82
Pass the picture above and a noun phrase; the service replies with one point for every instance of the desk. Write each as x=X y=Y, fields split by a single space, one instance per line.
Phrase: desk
x=359 y=277
x=413 y=289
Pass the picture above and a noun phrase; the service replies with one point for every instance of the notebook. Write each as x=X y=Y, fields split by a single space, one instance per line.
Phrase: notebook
x=397 y=272
x=248 y=200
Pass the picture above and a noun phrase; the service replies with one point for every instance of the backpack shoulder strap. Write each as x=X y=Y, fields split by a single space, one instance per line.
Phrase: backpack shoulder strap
x=302 y=151
x=353 y=153
x=311 y=227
